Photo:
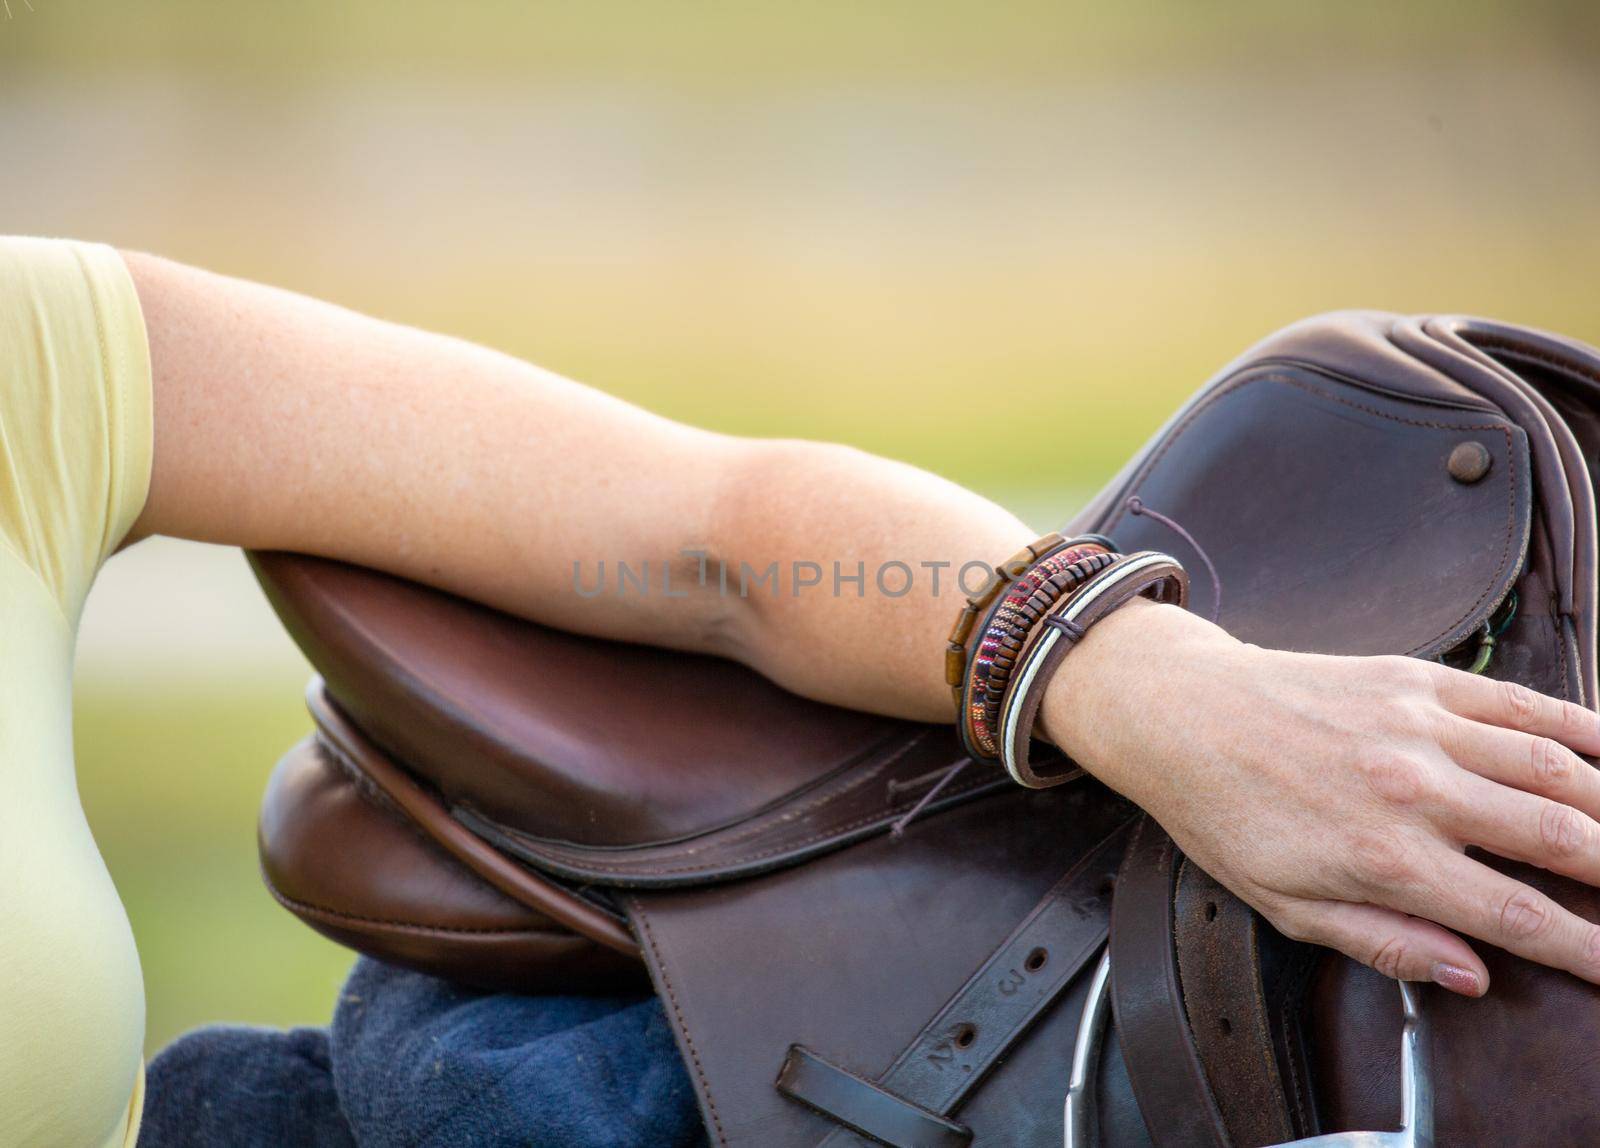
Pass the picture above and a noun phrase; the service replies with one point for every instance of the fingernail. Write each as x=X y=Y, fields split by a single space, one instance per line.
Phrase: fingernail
x=1457 y=980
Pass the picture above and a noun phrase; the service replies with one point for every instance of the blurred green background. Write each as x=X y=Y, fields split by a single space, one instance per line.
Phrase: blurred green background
x=837 y=220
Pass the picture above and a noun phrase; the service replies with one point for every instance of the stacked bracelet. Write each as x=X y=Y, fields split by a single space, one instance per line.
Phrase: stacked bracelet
x=1009 y=575
x=955 y=654
x=1040 y=603
x=1147 y=574
x=1005 y=631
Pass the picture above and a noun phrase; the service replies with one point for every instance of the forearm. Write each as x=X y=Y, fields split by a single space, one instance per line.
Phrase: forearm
x=885 y=544
x=286 y=423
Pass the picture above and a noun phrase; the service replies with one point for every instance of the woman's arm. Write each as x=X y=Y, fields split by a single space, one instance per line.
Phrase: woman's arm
x=1337 y=795
x=286 y=423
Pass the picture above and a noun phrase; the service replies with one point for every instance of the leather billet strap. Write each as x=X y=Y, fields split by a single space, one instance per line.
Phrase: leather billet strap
x=1147 y=573
x=953 y=1053
x=1147 y=998
x=1219 y=964
x=1191 y=1015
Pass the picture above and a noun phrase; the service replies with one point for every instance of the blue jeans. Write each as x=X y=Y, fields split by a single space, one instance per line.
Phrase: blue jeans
x=412 y=1060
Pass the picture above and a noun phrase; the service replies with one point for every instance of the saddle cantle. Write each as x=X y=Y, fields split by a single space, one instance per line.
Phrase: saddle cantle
x=500 y=803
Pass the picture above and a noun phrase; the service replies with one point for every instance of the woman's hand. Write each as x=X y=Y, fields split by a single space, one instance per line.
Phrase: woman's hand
x=1337 y=795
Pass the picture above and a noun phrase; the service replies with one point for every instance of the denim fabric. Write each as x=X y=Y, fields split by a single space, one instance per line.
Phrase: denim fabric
x=412 y=1060
x=244 y=1088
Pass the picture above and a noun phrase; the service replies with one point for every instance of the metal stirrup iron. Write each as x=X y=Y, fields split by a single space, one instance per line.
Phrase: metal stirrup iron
x=1416 y=1077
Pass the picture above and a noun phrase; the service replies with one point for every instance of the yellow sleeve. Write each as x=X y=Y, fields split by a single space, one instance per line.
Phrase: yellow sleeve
x=75 y=445
x=75 y=410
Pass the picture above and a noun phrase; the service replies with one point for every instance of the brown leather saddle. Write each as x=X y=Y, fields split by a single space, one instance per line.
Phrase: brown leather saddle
x=502 y=804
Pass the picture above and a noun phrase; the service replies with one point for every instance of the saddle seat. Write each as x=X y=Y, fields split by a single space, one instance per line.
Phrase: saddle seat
x=516 y=731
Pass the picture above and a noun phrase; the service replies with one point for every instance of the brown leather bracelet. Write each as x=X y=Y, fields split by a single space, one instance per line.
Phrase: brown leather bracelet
x=1147 y=574
x=955 y=653
x=966 y=691
x=1013 y=622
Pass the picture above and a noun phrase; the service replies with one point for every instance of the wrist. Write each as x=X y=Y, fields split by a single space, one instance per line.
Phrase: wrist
x=1104 y=687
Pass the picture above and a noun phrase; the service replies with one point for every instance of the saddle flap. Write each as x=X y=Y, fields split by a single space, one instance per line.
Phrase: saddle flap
x=859 y=955
x=1320 y=502
x=357 y=870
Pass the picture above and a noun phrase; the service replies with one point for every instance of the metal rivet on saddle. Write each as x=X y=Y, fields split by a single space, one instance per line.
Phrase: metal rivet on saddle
x=1470 y=461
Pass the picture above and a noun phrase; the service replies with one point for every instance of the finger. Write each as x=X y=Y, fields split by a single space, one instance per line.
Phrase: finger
x=1471 y=898
x=1406 y=948
x=1514 y=706
x=1539 y=765
x=1525 y=827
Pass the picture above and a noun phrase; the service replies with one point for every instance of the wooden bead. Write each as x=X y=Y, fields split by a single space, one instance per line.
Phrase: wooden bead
x=955 y=665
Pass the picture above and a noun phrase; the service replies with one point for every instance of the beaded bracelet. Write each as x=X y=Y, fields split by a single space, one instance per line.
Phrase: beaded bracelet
x=1006 y=630
x=1147 y=573
x=955 y=652
x=957 y=658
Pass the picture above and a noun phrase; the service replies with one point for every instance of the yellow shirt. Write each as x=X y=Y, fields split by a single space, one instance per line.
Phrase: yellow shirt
x=75 y=446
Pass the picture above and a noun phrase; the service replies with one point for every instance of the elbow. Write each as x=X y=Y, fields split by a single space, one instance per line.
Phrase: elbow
x=768 y=496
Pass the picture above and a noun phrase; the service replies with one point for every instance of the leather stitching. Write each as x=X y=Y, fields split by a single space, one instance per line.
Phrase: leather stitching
x=339 y=916
x=366 y=788
x=1561 y=654
x=1573 y=370
x=364 y=782
x=753 y=828
x=1506 y=346
x=672 y=998
x=1294 y=984
x=1244 y=379
x=577 y=860
x=1291 y=1054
